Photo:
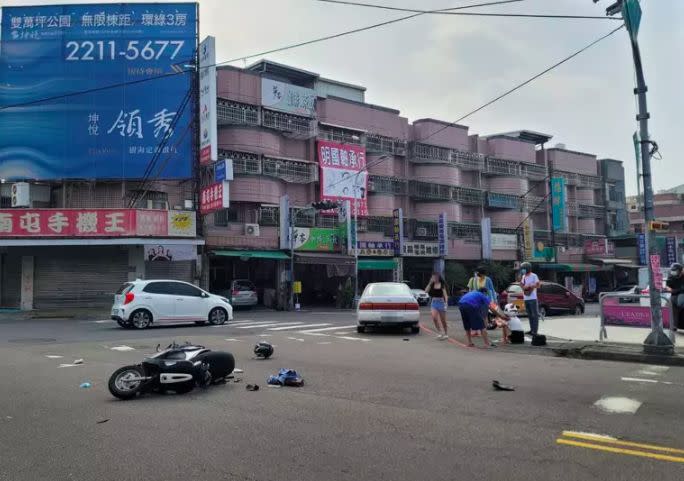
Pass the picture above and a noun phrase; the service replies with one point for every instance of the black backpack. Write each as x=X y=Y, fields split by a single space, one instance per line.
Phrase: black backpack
x=538 y=340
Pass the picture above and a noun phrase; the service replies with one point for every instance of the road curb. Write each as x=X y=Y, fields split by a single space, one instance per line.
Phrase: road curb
x=616 y=353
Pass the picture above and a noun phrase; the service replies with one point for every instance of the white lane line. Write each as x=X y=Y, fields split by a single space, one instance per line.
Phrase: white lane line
x=122 y=348
x=638 y=379
x=328 y=328
x=653 y=371
x=296 y=339
x=233 y=340
x=70 y=365
x=297 y=327
x=618 y=405
x=324 y=343
x=245 y=321
x=104 y=321
x=349 y=338
x=52 y=356
x=292 y=325
x=343 y=333
x=319 y=334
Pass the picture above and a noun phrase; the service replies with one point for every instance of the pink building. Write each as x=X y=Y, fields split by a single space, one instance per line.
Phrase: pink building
x=272 y=115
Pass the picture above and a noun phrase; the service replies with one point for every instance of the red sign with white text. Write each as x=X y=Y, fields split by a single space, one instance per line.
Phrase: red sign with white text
x=67 y=222
x=214 y=197
x=343 y=174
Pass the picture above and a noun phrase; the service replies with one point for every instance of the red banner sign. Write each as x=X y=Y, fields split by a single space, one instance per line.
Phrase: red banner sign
x=93 y=223
x=214 y=197
x=343 y=174
x=599 y=247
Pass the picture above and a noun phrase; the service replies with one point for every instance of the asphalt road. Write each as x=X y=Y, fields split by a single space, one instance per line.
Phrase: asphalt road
x=378 y=406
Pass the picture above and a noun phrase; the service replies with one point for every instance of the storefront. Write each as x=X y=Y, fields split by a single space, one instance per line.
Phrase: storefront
x=62 y=258
x=260 y=267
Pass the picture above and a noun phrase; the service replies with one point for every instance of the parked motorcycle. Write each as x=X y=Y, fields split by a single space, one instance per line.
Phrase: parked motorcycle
x=179 y=368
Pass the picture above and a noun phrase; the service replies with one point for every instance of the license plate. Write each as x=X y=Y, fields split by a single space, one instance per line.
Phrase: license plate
x=390 y=317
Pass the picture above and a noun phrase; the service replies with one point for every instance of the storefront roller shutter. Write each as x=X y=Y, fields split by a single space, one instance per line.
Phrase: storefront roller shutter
x=176 y=270
x=11 y=281
x=84 y=276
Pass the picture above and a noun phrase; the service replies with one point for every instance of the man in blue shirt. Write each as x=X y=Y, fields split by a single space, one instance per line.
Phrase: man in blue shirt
x=473 y=307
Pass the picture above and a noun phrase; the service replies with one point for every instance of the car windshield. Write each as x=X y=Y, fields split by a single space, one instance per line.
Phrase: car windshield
x=387 y=289
x=243 y=286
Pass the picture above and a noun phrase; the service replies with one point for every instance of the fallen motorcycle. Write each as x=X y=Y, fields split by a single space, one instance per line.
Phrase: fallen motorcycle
x=179 y=368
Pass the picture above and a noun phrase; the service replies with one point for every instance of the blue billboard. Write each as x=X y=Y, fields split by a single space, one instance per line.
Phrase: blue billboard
x=50 y=52
x=558 y=213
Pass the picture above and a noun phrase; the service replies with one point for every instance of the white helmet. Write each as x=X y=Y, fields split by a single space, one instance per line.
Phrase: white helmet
x=511 y=309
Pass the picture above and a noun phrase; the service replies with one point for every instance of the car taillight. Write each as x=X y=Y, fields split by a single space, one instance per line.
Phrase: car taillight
x=128 y=298
x=366 y=306
x=235 y=292
x=411 y=307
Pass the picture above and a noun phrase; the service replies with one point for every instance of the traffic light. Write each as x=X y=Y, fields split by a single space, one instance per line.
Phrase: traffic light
x=324 y=205
x=658 y=226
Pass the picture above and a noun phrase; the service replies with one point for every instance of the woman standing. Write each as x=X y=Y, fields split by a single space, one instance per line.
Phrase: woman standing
x=479 y=281
x=439 y=299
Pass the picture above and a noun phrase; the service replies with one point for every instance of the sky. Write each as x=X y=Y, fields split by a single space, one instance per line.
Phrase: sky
x=444 y=66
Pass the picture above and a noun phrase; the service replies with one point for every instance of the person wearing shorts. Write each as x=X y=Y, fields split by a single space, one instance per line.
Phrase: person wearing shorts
x=439 y=298
x=473 y=313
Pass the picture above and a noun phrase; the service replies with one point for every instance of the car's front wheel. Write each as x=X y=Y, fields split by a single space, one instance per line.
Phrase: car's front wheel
x=140 y=319
x=218 y=316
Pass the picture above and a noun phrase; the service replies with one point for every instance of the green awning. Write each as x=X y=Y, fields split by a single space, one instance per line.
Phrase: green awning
x=245 y=255
x=376 y=264
x=572 y=267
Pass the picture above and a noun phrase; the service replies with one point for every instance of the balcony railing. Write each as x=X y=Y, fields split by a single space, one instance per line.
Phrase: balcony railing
x=439 y=192
x=467 y=160
x=468 y=196
x=463 y=230
x=533 y=171
x=235 y=113
x=292 y=125
x=590 y=211
x=337 y=134
x=570 y=177
x=589 y=181
x=244 y=163
x=289 y=170
x=505 y=167
x=379 y=144
x=430 y=153
x=387 y=185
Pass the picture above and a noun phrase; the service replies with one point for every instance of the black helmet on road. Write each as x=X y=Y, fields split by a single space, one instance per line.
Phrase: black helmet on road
x=263 y=349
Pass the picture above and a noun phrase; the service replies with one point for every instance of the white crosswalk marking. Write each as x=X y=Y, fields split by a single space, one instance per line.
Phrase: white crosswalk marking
x=297 y=327
x=328 y=329
x=291 y=325
x=349 y=338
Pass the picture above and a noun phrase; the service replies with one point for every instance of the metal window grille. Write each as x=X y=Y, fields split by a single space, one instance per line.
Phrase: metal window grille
x=290 y=170
x=425 y=230
x=235 y=113
x=533 y=171
x=292 y=124
x=378 y=224
x=381 y=144
x=496 y=200
x=224 y=216
x=430 y=153
x=588 y=181
x=467 y=160
x=387 y=185
x=269 y=216
x=336 y=134
x=244 y=163
x=468 y=196
x=502 y=167
x=462 y=230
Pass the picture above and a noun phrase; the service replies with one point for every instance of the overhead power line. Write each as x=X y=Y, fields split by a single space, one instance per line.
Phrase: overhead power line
x=506 y=93
x=245 y=57
x=476 y=14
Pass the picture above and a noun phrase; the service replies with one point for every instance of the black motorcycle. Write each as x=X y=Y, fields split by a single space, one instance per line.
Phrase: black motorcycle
x=178 y=368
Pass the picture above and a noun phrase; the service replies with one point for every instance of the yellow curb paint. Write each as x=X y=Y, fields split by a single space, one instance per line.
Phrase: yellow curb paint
x=610 y=440
x=628 y=452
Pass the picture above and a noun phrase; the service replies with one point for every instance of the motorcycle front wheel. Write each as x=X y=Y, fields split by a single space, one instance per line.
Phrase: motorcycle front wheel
x=125 y=383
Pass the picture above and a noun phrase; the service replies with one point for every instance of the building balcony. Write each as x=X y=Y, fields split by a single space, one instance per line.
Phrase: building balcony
x=340 y=134
x=235 y=113
x=495 y=166
x=428 y=191
x=590 y=211
x=533 y=203
x=387 y=185
x=425 y=153
x=570 y=177
x=467 y=160
x=288 y=170
x=293 y=126
x=533 y=171
x=379 y=144
x=589 y=181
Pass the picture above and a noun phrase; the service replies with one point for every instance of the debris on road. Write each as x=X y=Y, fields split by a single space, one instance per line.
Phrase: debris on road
x=122 y=348
x=86 y=385
x=102 y=421
x=263 y=350
x=406 y=339
x=252 y=387
x=238 y=371
x=502 y=387
x=78 y=361
x=286 y=377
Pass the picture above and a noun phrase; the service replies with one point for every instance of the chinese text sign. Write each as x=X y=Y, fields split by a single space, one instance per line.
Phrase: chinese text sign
x=112 y=71
x=343 y=174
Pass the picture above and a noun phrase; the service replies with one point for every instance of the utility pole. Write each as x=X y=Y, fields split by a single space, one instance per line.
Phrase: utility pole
x=657 y=341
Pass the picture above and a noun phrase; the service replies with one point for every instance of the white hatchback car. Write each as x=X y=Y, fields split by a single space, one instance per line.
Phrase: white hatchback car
x=141 y=303
x=387 y=304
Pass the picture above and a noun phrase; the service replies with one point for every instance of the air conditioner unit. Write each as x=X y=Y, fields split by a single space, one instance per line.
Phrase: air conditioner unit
x=21 y=194
x=421 y=231
x=252 y=230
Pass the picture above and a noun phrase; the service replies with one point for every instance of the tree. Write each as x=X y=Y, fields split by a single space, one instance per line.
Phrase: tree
x=456 y=275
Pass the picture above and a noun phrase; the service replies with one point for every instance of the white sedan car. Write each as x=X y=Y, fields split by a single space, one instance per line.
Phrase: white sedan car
x=387 y=304
x=141 y=303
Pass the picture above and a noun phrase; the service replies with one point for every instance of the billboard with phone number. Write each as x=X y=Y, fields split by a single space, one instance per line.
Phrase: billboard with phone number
x=59 y=119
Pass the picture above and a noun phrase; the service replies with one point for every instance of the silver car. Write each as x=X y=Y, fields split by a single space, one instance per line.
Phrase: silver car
x=243 y=293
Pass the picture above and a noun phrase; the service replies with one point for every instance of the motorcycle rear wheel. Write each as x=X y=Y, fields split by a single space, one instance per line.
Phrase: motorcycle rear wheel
x=121 y=387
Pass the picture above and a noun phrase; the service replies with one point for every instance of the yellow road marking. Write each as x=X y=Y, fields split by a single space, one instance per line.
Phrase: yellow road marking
x=629 y=452
x=609 y=440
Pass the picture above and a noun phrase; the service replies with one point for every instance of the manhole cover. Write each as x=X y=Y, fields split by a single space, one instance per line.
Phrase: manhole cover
x=29 y=340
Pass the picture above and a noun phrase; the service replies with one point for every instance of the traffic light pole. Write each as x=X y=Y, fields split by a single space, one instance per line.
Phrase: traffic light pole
x=657 y=340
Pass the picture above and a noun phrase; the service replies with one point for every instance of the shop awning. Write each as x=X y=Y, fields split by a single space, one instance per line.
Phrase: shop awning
x=572 y=267
x=377 y=264
x=275 y=255
x=323 y=259
x=613 y=261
